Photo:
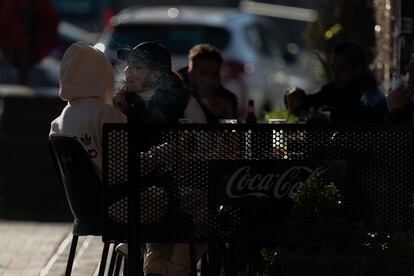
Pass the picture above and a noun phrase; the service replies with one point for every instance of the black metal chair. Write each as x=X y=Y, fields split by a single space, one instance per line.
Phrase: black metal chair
x=83 y=191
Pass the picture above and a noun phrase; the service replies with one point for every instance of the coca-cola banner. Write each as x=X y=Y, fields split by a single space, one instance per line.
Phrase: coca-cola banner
x=246 y=181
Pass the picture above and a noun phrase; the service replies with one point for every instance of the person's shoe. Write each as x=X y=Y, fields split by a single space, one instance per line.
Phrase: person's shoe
x=122 y=249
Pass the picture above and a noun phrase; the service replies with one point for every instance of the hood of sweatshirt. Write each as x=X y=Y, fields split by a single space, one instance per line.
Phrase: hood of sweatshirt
x=86 y=72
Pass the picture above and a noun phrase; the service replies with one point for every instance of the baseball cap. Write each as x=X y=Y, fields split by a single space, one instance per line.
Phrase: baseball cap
x=151 y=53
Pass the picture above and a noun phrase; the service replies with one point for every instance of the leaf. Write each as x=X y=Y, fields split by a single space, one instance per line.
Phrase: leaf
x=326 y=69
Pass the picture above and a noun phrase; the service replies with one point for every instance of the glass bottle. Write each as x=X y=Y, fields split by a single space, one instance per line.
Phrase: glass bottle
x=251 y=116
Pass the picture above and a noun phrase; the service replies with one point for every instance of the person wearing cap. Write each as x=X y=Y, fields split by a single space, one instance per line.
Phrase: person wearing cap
x=150 y=89
x=87 y=84
x=152 y=93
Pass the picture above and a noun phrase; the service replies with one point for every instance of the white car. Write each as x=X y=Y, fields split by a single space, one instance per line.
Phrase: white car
x=253 y=64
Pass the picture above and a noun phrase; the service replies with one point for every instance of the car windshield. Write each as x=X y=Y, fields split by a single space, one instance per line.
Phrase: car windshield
x=178 y=39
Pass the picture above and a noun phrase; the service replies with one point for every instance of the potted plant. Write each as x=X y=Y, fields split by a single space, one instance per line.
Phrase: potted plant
x=320 y=236
x=385 y=254
x=322 y=241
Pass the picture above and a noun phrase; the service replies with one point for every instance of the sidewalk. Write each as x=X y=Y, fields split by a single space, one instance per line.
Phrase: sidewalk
x=37 y=248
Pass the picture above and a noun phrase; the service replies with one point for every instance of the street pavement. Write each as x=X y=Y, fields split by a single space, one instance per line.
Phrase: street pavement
x=38 y=248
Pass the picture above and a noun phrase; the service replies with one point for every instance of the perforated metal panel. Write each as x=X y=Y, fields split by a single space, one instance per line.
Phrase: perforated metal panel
x=117 y=166
x=175 y=176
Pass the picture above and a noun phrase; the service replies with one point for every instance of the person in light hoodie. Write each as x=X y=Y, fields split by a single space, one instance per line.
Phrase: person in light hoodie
x=87 y=84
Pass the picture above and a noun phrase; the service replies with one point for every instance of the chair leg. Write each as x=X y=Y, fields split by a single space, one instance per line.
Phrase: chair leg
x=228 y=259
x=213 y=259
x=103 y=259
x=118 y=264
x=219 y=259
x=204 y=265
x=114 y=257
x=71 y=255
x=193 y=260
x=126 y=267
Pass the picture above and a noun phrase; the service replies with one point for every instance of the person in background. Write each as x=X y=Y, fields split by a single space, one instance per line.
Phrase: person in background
x=400 y=100
x=203 y=76
x=352 y=96
x=152 y=93
x=87 y=84
x=293 y=107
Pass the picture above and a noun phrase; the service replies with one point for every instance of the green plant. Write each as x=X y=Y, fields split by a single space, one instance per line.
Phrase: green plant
x=317 y=223
x=324 y=67
x=280 y=113
x=267 y=254
x=386 y=254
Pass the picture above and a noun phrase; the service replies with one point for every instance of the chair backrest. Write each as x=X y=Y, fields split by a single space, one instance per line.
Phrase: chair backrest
x=81 y=183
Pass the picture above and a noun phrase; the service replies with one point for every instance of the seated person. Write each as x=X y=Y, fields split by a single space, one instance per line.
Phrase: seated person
x=87 y=84
x=400 y=100
x=153 y=94
x=294 y=104
x=353 y=95
x=203 y=76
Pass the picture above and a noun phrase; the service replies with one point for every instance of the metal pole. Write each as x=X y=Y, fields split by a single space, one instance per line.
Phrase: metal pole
x=134 y=263
x=406 y=34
